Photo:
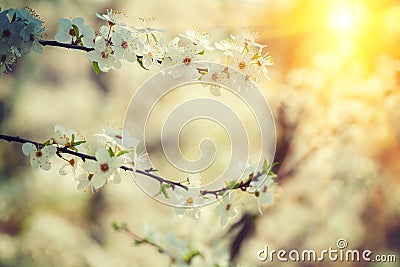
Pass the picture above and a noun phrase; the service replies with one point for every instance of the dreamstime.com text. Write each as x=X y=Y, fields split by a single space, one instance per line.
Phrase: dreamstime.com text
x=340 y=253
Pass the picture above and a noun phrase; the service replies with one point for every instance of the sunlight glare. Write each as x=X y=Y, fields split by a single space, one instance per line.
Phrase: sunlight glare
x=345 y=17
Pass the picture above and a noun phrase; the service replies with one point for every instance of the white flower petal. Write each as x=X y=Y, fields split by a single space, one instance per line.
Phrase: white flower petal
x=117 y=178
x=98 y=181
x=34 y=162
x=91 y=166
x=102 y=155
x=82 y=184
x=65 y=169
x=224 y=219
x=29 y=149
x=78 y=22
x=64 y=24
x=49 y=151
x=45 y=165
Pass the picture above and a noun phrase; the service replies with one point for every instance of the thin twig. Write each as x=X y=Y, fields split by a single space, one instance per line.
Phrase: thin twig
x=69 y=46
x=242 y=186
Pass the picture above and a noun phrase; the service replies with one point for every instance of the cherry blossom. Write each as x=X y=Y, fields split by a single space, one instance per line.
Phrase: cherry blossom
x=226 y=208
x=39 y=157
x=104 y=169
x=104 y=55
x=199 y=37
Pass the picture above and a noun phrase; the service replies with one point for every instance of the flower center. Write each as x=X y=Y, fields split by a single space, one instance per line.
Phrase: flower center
x=72 y=32
x=228 y=207
x=190 y=200
x=104 y=167
x=104 y=54
x=215 y=76
x=124 y=44
x=38 y=154
x=90 y=176
x=264 y=189
x=6 y=33
x=242 y=65
x=187 y=60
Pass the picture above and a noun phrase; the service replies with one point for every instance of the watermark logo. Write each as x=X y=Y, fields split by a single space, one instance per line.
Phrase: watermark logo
x=196 y=91
x=340 y=253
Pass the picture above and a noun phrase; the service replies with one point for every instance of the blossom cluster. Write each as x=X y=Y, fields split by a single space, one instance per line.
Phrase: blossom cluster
x=20 y=30
x=89 y=172
x=119 y=151
x=115 y=42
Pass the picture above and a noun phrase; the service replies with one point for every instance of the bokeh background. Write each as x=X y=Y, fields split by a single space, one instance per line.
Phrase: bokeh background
x=334 y=92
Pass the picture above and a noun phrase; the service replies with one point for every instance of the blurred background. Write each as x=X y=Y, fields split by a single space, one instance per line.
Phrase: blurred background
x=334 y=92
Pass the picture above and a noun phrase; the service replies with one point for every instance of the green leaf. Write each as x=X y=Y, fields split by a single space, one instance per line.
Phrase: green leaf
x=78 y=143
x=154 y=37
x=139 y=60
x=266 y=166
x=202 y=71
x=122 y=153
x=201 y=53
x=190 y=255
x=47 y=143
x=14 y=16
x=231 y=185
x=96 y=67
x=76 y=29
x=72 y=139
x=116 y=226
x=139 y=242
x=110 y=152
x=164 y=188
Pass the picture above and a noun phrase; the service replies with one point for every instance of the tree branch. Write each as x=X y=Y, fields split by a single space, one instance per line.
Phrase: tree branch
x=69 y=46
x=241 y=185
x=66 y=150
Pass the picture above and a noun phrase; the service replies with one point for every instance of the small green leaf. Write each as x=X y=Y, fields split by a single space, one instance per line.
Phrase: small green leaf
x=76 y=29
x=190 y=255
x=13 y=12
x=96 y=67
x=202 y=71
x=78 y=143
x=110 y=152
x=231 y=185
x=116 y=226
x=164 y=190
x=201 y=53
x=47 y=143
x=72 y=139
x=122 y=153
x=140 y=61
x=139 y=242
x=154 y=37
